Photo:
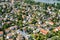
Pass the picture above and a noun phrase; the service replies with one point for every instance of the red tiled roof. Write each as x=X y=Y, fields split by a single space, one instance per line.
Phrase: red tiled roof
x=56 y=29
x=51 y=23
x=44 y=32
x=1 y=32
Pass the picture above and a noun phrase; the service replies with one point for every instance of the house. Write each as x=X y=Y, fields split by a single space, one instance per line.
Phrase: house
x=24 y=21
x=49 y=22
x=56 y=29
x=12 y=1
x=43 y=31
x=24 y=16
x=18 y=11
x=32 y=26
x=23 y=34
x=18 y=31
x=11 y=39
x=23 y=11
x=8 y=22
x=44 y=24
x=19 y=37
x=9 y=36
x=4 y=19
x=1 y=33
x=27 y=37
x=11 y=19
x=7 y=31
x=13 y=27
x=37 y=30
x=1 y=19
x=24 y=29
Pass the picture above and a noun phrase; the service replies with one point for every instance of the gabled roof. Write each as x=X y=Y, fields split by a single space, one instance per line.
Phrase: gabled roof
x=43 y=31
x=10 y=39
x=10 y=34
x=13 y=27
x=49 y=22
x=1 y=32
x=7 y=30
x=8 y=22
x=56 y=29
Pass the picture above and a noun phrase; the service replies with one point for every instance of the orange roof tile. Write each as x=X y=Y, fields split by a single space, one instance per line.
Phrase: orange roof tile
x=1 y=32
x=43 y=31
x=51 y=23
x=56 y=29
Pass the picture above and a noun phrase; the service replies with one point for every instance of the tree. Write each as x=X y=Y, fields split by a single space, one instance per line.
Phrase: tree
x=34 y=21
x=19 y=23
x=29 y=30
x=31 y=38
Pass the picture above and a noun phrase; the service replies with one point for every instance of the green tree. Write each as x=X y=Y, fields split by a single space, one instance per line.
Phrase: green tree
x=19 y=23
